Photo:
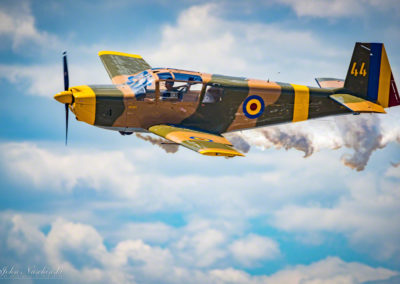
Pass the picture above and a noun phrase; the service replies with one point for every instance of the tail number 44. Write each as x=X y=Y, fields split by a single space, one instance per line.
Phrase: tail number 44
x=355 y=71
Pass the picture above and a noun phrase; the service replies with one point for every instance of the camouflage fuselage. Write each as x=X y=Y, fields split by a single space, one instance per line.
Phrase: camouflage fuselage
x=244 y=103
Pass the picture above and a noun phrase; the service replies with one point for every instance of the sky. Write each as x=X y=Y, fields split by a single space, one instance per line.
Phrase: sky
x=312 y=202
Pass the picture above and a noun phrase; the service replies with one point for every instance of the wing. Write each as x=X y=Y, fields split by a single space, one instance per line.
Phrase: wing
x=201 y=142
x=121 y=65
x=357 y=104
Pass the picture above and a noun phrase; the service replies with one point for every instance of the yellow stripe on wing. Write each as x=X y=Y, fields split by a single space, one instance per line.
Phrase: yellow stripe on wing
x=119 y=54
x=220 y=152
x=301 y=102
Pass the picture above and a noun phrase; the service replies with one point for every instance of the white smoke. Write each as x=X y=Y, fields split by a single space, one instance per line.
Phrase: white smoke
x=162 y=143
x=362 y=133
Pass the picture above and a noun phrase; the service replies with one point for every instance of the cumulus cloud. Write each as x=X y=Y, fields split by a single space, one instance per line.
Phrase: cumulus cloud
x=253 y=248
x=61 y=173
x=370 y=208
x=202 y=39
x=18 y=24
x=47 y=80
x=331 y=270
x=361 y=208
x=337 y=8
x=80 y=250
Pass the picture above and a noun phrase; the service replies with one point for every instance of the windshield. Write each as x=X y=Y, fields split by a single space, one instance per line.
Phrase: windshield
x=140 y=82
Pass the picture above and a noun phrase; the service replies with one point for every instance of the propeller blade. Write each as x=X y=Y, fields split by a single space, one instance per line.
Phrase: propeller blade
x=66 y=79
x=66 y=124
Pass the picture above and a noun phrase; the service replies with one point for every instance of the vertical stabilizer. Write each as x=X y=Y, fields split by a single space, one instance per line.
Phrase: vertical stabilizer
x=370 y=76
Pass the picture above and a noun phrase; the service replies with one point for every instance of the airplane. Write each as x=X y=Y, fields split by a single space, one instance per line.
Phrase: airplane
x=194 y=109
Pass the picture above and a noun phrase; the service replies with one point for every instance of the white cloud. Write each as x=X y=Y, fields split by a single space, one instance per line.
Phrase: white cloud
x=330 y=270
x=370 y=209
x=18 y=23
x=356 y=209
x=202 y=248
x=394 y=171
x=79 y=249
x=253 y=248
x=156 y=232
x=38 y=80
x=45 y=170
x=337 y=8
x=47 y=80
x=202 y=39
x=282 y=187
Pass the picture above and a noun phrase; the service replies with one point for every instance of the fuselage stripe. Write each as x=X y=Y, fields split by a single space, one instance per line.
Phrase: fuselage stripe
x=301 y=102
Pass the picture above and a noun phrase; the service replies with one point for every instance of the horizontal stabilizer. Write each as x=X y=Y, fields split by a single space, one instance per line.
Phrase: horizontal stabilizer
x=357 y=104
x=201 y=142
x=330 y=83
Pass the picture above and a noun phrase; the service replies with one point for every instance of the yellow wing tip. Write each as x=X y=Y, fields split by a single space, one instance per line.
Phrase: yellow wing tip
x=106 y=52
x=220 y=152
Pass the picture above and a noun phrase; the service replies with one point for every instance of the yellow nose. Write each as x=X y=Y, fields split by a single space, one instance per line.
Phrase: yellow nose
x=64 y=97
x=82 y=102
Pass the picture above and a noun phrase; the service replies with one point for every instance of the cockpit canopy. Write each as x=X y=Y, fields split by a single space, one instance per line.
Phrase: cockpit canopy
x=168 y=84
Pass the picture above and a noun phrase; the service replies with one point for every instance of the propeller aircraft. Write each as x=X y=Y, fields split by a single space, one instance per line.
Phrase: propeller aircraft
x=194 y=109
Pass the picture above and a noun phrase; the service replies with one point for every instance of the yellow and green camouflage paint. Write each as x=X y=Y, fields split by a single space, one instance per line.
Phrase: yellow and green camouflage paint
x=179 y=104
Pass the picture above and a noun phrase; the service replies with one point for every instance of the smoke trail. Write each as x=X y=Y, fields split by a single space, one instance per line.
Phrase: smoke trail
x=363 y=134
x=169 y=148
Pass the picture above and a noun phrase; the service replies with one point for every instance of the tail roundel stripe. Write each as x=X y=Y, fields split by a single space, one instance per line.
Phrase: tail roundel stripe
x=384 y=80
x=394 y=97
x=374 y=70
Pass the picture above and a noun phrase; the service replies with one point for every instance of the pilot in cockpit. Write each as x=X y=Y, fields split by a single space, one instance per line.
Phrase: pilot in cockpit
x=172 y=92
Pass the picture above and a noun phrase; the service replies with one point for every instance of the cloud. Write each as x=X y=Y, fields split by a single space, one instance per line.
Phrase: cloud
x=254 y=248
x=203 y=39
x=275 y=184
x=18 y=24
x=330 y=270
x=337 y=8
x=44 y=80
x=47 y=80
x=80 y=250
x=45 y=170
x=202 y=248
x=370 y=208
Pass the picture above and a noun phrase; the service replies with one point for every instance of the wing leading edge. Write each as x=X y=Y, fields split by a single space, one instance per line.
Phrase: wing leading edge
x=120 y=65
x=201 y=142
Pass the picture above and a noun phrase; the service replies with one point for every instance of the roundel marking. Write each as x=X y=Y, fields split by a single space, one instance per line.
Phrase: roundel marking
x=200 y=139
x=253 y=106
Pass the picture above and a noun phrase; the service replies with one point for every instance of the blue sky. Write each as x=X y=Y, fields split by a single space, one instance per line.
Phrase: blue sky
x=312 y=202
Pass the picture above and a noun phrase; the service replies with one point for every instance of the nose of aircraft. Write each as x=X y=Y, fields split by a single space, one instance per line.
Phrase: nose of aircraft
x=64 y=97
x=81 y=101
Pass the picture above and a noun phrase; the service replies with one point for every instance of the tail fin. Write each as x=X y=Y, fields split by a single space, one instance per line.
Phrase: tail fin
x=370 y=76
